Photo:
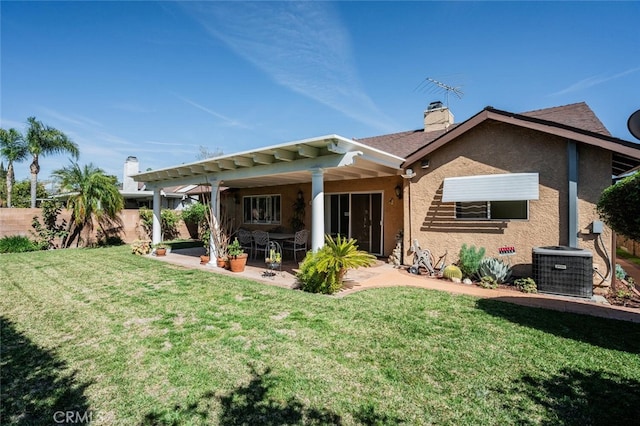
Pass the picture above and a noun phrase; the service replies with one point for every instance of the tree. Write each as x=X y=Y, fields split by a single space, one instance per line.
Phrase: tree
x=14 y=149
x=93 y=195
x=3 y=184
x=44 y=140
x=21 y=197
x=619 y=206
x=204 y=153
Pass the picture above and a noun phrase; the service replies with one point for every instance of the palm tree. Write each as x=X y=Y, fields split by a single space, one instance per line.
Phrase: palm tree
x=14 y=149
x=44 y=140
x=92 y=195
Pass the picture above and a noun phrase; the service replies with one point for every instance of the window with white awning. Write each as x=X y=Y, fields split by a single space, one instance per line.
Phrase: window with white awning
x=492 y=197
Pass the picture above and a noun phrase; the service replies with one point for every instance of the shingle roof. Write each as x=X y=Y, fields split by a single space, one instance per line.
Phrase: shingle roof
x=577 y=115
x=404 y=143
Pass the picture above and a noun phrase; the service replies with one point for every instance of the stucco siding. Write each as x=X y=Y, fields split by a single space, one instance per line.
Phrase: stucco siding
x=492 y=148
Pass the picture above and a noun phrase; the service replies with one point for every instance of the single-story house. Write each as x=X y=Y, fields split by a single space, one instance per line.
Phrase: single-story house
x=136 y=195
x=496 y=180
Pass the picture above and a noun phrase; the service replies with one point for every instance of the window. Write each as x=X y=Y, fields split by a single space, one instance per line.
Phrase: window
x=261 y=209
x=493 y=210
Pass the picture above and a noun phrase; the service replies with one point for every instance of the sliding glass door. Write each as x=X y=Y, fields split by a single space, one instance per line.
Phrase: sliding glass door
x=356 y=215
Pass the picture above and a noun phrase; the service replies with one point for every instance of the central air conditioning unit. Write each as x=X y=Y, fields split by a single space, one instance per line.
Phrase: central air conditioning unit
x=563 y=270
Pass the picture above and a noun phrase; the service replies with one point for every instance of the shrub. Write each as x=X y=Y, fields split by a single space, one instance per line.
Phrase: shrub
x=49 y=230
x=621 y=274
x=488 y=282
x=323 y=271
x=469 y=260
x=194 y=213
x=526 y=285
x=619 y=206
x=168 y=222
x=141 y=247
x=16 y=244
x=311 y=279
x=452 y=271
x=110 y=240
x=194 y=217
x=495 y=268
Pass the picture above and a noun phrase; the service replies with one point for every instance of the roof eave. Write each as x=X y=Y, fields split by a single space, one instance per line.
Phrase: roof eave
x=610 y=143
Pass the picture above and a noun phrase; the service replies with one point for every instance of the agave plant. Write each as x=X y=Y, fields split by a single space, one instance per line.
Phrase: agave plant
x=494 y=268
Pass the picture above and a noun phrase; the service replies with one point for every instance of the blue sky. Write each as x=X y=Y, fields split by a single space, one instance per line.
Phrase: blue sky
x=159 y=79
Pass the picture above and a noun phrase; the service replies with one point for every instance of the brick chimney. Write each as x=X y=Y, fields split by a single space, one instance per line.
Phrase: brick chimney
x=131 y=167
x=437 y=117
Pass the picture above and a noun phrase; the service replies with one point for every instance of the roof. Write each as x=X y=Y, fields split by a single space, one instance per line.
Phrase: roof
x=575 y=121
x=577 y=115
x=403 y=143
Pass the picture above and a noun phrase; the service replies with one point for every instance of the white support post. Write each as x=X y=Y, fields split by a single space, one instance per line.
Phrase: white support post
x=156 y=236
x=317 y=209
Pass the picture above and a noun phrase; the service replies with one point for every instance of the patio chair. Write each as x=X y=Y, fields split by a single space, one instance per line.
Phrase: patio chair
x=260 y=242
x=299 y=243
x=246 y=240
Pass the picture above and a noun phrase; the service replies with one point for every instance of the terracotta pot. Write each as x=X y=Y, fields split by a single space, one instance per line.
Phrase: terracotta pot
x=204 y=259
x=221 y=262
x=161 y=252
x=238 y=263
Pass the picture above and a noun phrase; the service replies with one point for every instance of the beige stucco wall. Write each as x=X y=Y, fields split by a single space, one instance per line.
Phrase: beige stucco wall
x=18 y=222
x=392 y=207
x=501 y=148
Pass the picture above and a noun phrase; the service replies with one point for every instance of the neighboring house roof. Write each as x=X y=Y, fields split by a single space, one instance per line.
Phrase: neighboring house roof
x=576 y=122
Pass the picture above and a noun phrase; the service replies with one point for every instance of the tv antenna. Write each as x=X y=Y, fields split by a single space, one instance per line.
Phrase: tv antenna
x=430 y=85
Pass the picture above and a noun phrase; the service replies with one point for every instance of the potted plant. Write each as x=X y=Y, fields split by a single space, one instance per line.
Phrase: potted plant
x=206 y=237
x=160 y=249
x=237 y=256
x=274 y=258
x=219 y=238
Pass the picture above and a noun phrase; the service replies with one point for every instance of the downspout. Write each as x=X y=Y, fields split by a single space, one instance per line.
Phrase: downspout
x=572 y=165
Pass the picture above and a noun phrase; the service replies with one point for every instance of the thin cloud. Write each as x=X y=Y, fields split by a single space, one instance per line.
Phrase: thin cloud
x=131 y=107
x=75 y=119
x=593 y=81
x=11 y=124
x=225 y=119
x=169 y=143
x=302 y=45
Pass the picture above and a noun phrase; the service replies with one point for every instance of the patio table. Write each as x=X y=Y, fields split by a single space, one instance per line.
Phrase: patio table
x=279 y=236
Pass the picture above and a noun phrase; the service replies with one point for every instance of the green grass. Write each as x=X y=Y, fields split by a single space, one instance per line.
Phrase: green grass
x=134 y=341
x=626 y=255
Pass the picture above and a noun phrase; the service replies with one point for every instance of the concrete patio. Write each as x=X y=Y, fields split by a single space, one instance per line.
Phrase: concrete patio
x=384 y=275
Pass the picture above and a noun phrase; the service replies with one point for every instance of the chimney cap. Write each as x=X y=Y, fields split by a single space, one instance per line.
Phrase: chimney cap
x=132 y=158
x=434 y=105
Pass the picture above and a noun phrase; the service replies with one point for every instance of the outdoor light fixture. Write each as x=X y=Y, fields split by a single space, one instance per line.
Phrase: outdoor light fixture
x=398 y=190
x=300 y=194
x=409 y=173
x=424 y=163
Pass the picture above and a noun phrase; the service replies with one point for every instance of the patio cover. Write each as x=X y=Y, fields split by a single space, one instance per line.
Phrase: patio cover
x=325 y=158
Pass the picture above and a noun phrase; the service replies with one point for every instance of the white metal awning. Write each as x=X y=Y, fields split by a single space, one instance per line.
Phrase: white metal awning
x=500 y=187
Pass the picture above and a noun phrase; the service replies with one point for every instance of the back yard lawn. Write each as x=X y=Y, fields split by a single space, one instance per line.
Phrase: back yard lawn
x=122 y=339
